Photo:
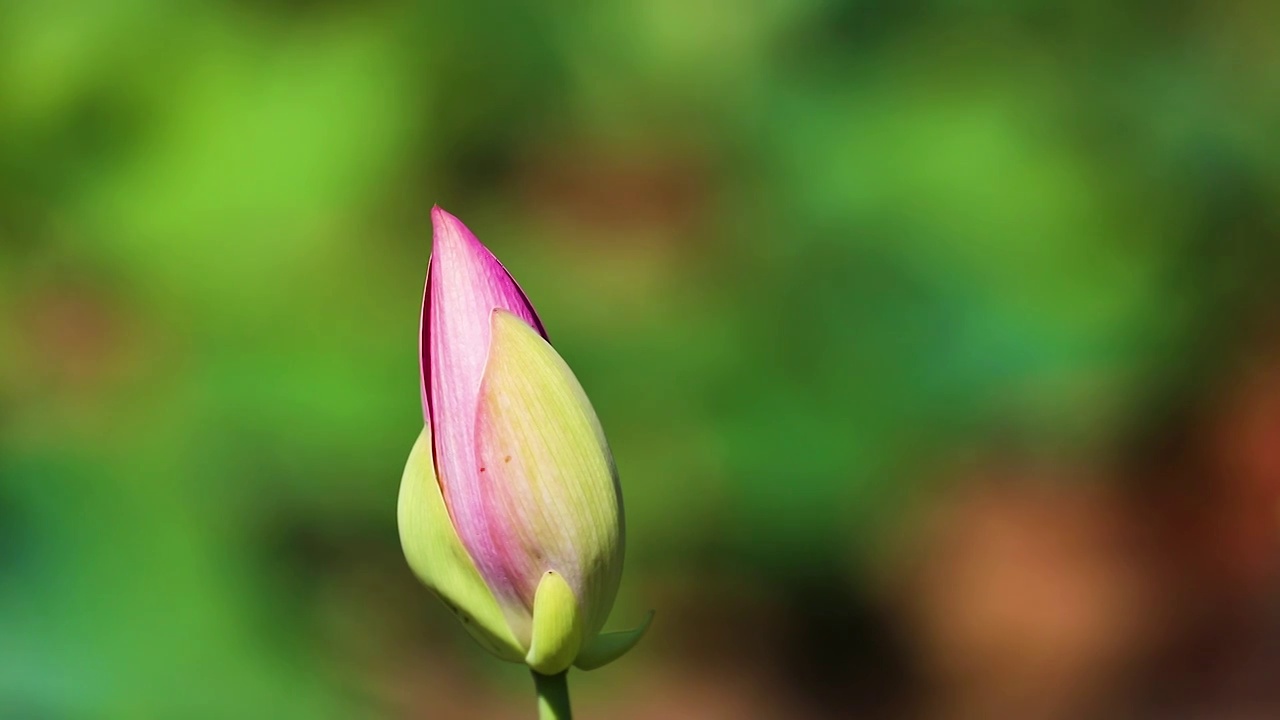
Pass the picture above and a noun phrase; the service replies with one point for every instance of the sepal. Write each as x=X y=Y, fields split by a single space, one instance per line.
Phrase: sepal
x=607 y=647
x=437 y=557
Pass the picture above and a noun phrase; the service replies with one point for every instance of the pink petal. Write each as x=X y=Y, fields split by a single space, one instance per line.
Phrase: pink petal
x=465 y=284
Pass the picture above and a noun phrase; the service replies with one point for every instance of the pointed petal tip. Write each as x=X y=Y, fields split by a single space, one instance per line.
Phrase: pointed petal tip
x=446 y=225
x=442 y=223
x=442 y=219
x=503 y=318
x=508 y=320
x=451 y=236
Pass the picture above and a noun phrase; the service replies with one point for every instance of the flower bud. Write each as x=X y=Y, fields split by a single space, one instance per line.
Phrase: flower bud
x=510 y=508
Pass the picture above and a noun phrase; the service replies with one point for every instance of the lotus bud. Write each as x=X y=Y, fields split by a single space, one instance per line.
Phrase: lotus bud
x=510 y=508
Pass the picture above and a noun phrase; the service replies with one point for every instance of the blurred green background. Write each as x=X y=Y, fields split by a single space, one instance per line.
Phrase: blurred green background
x=937 y=343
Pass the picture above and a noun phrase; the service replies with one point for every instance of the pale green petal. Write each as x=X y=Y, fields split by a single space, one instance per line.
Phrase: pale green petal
x=557 y=626
x=555 y=502
x=607 y=647
x=437 y=557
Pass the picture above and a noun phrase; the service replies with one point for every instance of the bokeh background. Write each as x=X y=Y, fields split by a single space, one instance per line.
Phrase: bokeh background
x=938 y=344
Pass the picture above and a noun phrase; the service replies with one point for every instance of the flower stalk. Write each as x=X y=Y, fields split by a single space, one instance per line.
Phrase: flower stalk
x=553 y=696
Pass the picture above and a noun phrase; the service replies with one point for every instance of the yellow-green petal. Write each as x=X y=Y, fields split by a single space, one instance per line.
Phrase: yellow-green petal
x=557 y=626
x=554 y=501
x=607 y=647
x=437 y=557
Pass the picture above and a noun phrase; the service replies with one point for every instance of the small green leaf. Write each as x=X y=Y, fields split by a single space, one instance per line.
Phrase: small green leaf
x=607 y=647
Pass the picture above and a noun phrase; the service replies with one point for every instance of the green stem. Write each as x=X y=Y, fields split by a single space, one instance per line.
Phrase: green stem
x=553 y=696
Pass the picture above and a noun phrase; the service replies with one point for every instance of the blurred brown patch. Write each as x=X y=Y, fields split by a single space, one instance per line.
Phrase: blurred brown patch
x=76 y=342
x=1214 y=493
x=718 y=639
x=71 y=335
x=1244 y=456
x=1029 y=599
x=619 y=188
